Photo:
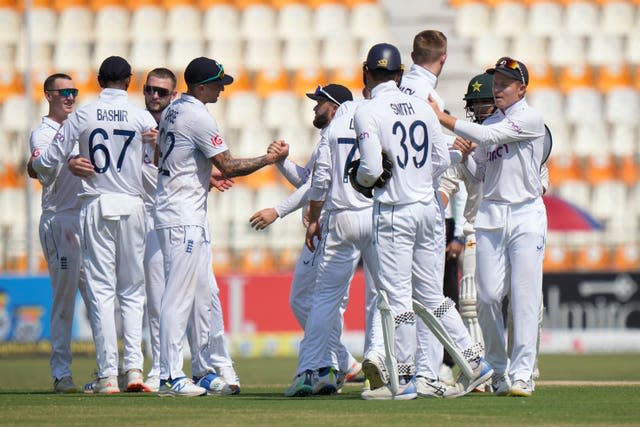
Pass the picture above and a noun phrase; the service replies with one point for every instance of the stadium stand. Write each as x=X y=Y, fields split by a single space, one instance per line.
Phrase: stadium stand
x=583 y=57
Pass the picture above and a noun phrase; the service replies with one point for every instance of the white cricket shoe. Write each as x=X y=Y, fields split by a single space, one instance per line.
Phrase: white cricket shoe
x=324 y=381
x=105 y=385
x=230 y=376
x=182 y=386
x=406 y=391
x=427 y=387
x=520 y=388
x=214 y=384
x=302 y=385
x=153 y=383
x=135 y=381
x=375 y=370
x=445 y=374
x=481 y=373
x=64 y=385
x=500 y=385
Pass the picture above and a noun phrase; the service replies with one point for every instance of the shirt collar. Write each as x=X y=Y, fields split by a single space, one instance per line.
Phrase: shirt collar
x=110 y=93
x=425 y=74
x=518 y=105
x=389 y=86
x=51 y=123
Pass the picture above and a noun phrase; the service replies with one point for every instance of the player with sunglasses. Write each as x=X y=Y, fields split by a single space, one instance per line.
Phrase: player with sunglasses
x=59 y=229
x=510 y=223
x=190 y=144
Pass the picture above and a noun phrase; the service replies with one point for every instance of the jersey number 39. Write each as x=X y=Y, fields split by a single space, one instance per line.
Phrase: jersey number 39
x=418 y=139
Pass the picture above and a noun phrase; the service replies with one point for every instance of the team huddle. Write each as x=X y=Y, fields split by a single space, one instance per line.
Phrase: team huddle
x=127 y=189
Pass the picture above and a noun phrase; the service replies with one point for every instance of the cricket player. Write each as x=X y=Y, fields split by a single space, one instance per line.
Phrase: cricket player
x=510 y=224
x=405 y=215
x=108 y=133
x=190 y=144
x=345 y=236
x=328 y=99
x=429 y=56
x=59 y=229
x=159 y=90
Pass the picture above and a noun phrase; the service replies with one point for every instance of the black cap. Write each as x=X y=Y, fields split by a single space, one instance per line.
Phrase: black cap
x=114 y=68
x=384 y=56
x=334 y=93
x=206 y=70
x=511 y=68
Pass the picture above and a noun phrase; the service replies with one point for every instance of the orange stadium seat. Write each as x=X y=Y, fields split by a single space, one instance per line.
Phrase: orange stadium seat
x=626 y=257
x=576 y=76
x=222 y=260
x=243 y=4
x=268 y=81
x=35 y=4
x=10 y=84
x=349 y=77
x=613 y=76
x=558 y=258
x=593 y=257
x=287 y=258
x=599 y=168
x=257 y=260
x=541 y=76
x=86 y=81
x=564 y=168
x=628 y=170
x=306 y=80
x=61 y=5
x=136 y=4
x=97 y=5
x=241 y=83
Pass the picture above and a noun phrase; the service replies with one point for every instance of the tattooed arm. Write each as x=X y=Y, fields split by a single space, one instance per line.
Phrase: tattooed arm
x=231 y=167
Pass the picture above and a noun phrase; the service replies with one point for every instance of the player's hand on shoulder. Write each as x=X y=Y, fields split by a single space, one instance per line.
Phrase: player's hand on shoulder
x=436 y=108
x=150 y=137
x=80 y=166
x=263 y=218
x=219 y=182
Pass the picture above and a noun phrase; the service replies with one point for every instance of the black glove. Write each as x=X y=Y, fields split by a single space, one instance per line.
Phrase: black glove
x=353 y=171
x=387 y=166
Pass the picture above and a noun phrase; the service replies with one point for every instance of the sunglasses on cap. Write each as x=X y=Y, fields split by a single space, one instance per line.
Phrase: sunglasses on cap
x=65 y=92
x=218 y=76
x=321 y=92
x=512 y=64
x=161 y=91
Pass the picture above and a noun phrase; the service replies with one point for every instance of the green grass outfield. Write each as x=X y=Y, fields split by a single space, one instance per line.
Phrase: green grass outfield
x=573 y=389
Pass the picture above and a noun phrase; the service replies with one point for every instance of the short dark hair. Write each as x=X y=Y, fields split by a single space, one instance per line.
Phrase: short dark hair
x=49 y=81
x=163 y=73
x=383 y=75
x=429 y=46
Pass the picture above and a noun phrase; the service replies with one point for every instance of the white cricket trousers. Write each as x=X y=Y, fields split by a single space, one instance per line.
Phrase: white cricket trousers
x=404 y=237
x=346 y=237
x=301 y=298
x=429 y=350
x=154 y=285
x=60 y=240
x=509 y=253
x=186 y=252
x=113 y=253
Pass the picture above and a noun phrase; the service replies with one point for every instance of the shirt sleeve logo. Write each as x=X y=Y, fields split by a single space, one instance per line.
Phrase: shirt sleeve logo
x=217 y=141
x=36 y=152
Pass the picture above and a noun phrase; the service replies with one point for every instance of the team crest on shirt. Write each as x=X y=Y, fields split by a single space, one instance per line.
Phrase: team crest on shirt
x=35 y=153
x=59 y=137
x=217 y=141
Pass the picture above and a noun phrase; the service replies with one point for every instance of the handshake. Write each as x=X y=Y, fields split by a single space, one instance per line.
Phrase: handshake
x=387 y=166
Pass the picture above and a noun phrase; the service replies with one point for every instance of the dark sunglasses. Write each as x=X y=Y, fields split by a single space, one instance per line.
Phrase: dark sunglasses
x=513 y=64
x=65 y=92
x=161 y=91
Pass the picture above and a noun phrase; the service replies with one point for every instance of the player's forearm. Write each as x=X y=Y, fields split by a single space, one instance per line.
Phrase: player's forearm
x=230 y=167
x=294 y=202
x=295 y=174
x=315 y=208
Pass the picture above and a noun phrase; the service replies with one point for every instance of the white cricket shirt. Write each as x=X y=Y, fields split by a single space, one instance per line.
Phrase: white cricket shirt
x=109 y=133
x=406 y=128
x=337 y=149
x=509 y=152
x=60 y=188
x=188 y=138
